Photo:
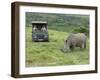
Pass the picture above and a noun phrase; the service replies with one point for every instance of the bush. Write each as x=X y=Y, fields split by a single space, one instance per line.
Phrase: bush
x=81 y=30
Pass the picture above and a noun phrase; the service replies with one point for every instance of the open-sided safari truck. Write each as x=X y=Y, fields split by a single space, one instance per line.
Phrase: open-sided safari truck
x=40 y=31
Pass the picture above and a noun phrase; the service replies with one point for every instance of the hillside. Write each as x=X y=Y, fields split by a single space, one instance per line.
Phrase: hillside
x=60 y=22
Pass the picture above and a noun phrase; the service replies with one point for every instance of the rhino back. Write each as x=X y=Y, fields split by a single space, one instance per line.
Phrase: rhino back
x=76 y=39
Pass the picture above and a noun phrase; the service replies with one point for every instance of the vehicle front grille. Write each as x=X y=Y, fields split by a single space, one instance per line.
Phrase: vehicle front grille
x=40 y=36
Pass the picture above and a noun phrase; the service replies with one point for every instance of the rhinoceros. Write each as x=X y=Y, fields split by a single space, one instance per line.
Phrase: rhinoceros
x=74 y=40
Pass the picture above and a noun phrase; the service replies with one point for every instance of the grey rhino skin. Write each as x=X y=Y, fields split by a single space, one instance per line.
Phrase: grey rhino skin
x=74 y=40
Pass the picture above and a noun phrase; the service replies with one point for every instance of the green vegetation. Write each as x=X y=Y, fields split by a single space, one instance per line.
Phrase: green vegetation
x=59 y=27
x=81 y=30
x=49 y=54
x=59 y=22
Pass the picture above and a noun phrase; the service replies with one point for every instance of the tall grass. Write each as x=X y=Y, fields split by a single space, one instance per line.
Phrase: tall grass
x=49 y=54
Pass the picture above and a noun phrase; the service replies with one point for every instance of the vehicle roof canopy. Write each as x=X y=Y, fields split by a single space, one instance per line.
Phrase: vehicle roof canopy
x=39 y=22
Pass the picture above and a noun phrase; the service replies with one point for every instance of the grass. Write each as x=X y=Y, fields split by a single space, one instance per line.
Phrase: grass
x=49 y=54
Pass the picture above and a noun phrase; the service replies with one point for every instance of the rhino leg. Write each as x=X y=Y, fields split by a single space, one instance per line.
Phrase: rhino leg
x=71 y=47
x=83 y=45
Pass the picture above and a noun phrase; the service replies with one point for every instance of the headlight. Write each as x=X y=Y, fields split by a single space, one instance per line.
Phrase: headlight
x=45 y=36
x=35 y=36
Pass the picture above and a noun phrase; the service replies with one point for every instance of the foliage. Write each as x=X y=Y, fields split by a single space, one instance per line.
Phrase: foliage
x=59 y=22
x=81 y=30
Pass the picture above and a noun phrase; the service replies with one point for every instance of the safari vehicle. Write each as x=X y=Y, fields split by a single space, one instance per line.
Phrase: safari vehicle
x=39 y=31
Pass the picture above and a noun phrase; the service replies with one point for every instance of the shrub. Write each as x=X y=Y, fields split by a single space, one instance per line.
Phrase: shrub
x=81 y=30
